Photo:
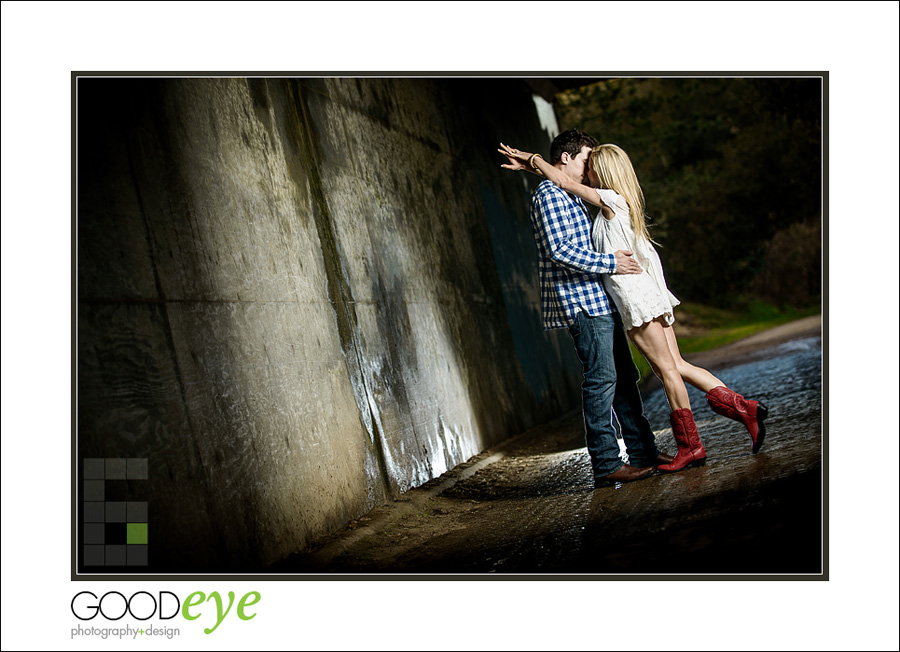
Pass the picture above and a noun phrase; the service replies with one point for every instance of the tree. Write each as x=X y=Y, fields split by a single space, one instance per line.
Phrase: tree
x=726 y=166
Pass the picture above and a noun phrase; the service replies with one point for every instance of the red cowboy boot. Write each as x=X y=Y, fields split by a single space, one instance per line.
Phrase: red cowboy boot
x=690 y=448
x=734 y=406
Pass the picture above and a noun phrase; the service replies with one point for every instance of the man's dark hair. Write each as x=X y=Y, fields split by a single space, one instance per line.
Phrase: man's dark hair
x=570 y=141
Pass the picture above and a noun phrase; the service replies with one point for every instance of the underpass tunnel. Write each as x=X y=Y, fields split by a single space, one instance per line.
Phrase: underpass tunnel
x=296 y=299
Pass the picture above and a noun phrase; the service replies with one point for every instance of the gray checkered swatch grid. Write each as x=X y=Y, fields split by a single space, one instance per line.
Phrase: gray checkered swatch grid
x=98 y=512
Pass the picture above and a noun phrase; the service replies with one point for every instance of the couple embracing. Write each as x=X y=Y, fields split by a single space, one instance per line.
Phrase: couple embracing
x=600 y=278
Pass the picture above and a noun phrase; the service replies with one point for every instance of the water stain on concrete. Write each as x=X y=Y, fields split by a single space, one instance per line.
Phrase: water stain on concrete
x=529 y=506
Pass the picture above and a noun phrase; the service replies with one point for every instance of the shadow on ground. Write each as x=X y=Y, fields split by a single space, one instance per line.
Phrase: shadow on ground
x=529 y=507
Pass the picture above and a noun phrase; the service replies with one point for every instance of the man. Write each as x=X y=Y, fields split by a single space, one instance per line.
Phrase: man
x=572 y=296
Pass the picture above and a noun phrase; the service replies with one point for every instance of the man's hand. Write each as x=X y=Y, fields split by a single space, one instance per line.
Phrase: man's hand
x=626 y=264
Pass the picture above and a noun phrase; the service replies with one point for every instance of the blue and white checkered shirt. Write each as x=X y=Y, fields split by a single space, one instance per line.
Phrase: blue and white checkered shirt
x=570 y=267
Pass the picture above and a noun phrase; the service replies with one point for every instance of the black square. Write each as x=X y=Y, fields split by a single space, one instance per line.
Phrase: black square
x=94 y=533
x=94 y=512
x=136 y=468
x=115 y=468
x=136 y=512
x=93 y=469
x=118 y=490
x=93 y=556
x=115 y=555
x=94 y=490
x=116 y=533
x=115 y=512
x=137 y=555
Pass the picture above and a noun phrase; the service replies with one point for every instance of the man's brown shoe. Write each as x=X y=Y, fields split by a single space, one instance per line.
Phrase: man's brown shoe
x=626 y=474
x=663 y=459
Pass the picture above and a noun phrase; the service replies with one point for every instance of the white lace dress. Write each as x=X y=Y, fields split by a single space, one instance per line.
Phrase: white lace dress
x=639 y=297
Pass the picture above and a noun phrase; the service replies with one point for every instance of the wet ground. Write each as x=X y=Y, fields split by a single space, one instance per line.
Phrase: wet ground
x=529 y=506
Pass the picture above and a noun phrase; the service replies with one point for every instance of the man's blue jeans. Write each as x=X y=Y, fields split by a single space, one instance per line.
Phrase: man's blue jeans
x=610 y=385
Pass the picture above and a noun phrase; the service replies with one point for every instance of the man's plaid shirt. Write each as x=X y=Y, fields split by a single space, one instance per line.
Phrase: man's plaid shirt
x=570 y=267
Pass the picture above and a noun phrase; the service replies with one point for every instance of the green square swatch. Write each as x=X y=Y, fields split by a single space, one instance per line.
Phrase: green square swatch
x=137 y=533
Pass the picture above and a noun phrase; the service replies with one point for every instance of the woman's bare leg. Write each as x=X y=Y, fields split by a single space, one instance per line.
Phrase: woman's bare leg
x=650 y=339
x=696 y=376
x=723 y=400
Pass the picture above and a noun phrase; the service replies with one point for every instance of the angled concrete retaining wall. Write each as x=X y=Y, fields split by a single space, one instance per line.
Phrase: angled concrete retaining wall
x=299 y=298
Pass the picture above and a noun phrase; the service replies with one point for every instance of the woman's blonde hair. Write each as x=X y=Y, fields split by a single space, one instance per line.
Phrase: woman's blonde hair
x=615 y=171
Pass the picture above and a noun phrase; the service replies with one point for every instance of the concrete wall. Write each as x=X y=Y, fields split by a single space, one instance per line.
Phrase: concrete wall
x=300 y=298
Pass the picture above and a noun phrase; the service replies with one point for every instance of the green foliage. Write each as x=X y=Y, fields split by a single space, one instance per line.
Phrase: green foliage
x=791 y=274
x=726 y=335
x=728 y=167
x=710 y=327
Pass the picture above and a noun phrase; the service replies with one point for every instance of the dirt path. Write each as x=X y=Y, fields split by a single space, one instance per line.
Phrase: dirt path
x=529 y=506
x=757 y=346
x=750 y=349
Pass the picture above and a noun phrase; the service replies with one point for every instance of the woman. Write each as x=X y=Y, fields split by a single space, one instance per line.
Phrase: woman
x=644 y=301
